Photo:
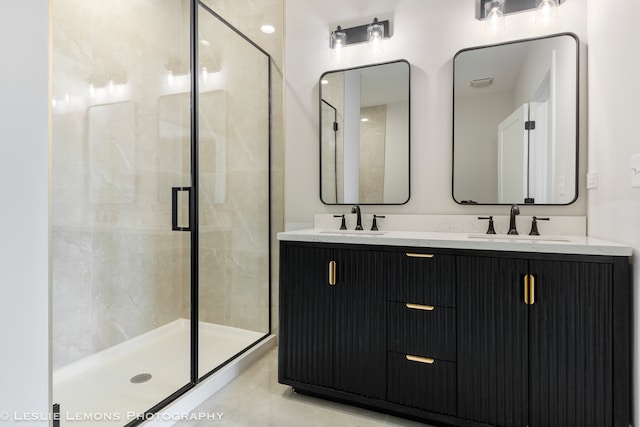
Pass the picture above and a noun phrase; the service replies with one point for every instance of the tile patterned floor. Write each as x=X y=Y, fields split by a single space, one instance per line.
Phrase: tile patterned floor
x=256 y=398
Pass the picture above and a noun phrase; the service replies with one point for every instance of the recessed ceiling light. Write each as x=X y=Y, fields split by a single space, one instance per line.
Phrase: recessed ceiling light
x=364 y=119
x=204 y=42
x=268 y=29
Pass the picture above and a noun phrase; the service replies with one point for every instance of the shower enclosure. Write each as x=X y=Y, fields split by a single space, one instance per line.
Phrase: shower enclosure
x=160 y=203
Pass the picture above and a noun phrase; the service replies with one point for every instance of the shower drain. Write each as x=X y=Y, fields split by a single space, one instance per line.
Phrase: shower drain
x=140 y=378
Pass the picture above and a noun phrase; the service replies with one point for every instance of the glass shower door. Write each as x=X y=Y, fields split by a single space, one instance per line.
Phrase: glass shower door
x=120 y=142
x=233 y=192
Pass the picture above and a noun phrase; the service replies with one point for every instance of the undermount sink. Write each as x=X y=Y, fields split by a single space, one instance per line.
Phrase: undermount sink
x=514 y=237
x=354 y=232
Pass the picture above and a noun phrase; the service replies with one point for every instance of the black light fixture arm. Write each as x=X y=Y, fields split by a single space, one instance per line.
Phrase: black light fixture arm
x=359 y=34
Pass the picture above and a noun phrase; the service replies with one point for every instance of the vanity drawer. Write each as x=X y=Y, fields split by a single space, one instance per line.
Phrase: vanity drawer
x=422 y=330
x=428 y=384
x=424 y=278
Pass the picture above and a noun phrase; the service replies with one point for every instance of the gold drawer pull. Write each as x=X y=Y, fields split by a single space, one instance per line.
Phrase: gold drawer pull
x=332 y=273
x=414 y=255
x=427 y=360
x=420 y=307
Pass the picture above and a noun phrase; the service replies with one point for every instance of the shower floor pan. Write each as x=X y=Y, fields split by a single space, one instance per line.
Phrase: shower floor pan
x=111 y=387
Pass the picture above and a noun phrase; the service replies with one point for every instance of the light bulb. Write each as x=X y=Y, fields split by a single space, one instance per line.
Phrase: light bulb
x=375 y=34
x=338 y=40
x=494 y=14
x=546 y=12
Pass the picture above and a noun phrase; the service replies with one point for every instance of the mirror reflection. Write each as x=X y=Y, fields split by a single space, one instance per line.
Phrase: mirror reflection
x=515 y=122
x=364 y=135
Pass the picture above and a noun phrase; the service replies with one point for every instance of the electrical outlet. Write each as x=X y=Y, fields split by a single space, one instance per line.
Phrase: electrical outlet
x=592 y=180
x=635 y=170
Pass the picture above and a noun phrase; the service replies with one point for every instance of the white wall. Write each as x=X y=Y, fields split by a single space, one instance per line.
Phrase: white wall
x=24 y=258
x=614 y=94
x=427 y=33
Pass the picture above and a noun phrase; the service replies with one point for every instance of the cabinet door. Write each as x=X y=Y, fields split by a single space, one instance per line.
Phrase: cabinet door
x=307 y=316
x=360 y=322
x=571 y=345
x=492 y=325
x=334 y=335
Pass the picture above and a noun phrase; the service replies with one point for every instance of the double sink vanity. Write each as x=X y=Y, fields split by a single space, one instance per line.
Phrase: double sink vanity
x=459 y=329
x=428 y=316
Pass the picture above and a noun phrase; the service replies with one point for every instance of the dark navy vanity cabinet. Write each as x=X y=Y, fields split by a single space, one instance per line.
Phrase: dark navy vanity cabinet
x=459 y=337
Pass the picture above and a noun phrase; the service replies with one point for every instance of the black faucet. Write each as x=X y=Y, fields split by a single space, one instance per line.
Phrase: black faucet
x=515 y=210
x=356 y=210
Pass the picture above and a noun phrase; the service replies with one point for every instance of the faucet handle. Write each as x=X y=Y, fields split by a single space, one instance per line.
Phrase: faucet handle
x=534 y=225
x=343 y=225
x=490 y=230
x=374 y=226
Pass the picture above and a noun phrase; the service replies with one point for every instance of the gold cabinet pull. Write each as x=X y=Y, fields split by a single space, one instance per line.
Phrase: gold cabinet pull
x=332 y=273
x=420 y=307
x=427 y=360
x=529 y=289
x=414 y=255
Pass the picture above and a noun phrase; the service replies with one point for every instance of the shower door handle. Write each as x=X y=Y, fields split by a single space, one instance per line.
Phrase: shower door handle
x=174 y=208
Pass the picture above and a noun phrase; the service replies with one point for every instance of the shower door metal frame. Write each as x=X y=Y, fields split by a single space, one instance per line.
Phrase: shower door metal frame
x=195 y=198
x=194 y=217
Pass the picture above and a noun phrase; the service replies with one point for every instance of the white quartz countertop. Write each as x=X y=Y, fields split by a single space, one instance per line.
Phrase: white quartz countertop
x=582 y=245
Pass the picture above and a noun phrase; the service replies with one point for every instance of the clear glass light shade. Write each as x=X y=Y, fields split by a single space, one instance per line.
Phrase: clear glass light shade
x=546 y=12
x=375 y=35
x=494 y=16
x=375 y=32
x=338 y=39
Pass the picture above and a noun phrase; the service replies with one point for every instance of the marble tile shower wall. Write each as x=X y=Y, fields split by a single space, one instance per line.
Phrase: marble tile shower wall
x=118 y=269
x=234 y=216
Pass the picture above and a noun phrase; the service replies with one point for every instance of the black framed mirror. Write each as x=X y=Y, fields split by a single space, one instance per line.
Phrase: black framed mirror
x=364 y=135
x=515 y=122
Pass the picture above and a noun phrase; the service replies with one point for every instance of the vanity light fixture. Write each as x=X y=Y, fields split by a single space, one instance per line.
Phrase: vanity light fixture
x=373 y=32
x=484 y=7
